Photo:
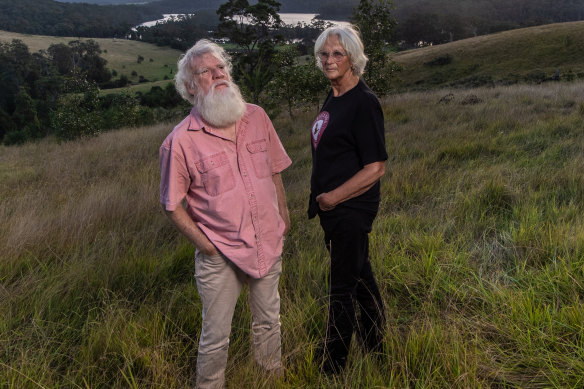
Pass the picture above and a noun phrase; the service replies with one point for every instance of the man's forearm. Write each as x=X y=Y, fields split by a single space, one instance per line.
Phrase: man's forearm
x=188 y=228
x=282 y=205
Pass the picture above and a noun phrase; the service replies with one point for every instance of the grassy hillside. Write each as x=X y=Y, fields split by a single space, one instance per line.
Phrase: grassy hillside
x=121 y=55
x=478 y=249
x=529 y=54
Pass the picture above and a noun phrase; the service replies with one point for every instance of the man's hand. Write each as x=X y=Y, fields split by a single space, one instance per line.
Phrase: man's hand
x=325 y=201
x=282 y=206
x=188 y=228
x=211 y=250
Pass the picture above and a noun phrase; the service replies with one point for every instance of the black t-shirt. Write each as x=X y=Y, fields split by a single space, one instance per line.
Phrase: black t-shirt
x=347 y=134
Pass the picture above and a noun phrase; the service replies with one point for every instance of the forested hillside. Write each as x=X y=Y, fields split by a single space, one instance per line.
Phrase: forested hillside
x=418 y=22
x=47 y=17
x=439 y=21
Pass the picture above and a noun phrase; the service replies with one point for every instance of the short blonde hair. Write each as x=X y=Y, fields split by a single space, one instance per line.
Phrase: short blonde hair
x=185 y=73
x=350 y=39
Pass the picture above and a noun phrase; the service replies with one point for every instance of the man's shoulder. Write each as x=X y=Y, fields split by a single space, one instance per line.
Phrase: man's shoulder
x=252 y=110
x=179 y=132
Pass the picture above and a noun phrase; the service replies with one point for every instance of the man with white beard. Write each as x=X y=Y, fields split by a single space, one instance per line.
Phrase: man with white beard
x=223 y=161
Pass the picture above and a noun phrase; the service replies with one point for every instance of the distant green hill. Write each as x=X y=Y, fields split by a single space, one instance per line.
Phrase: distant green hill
x=534 y=54
x=158 y=66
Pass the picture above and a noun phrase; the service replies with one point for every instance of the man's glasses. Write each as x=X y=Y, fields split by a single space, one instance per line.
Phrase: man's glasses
x=205 y=72
x=337 y=56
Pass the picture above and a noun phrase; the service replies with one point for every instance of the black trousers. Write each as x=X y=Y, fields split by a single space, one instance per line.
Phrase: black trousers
x=352 y=284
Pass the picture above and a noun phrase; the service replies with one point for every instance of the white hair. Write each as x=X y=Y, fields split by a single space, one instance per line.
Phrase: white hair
x=185 y=73
x=350 y=40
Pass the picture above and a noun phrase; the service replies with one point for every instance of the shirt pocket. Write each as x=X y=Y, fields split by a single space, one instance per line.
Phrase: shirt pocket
x=216 y=174
x=258 y=151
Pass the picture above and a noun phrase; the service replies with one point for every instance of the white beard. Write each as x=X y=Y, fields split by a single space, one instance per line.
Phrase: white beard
x=221 y=108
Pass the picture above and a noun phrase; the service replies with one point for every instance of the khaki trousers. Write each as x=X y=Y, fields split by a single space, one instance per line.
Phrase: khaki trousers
x=219 y=283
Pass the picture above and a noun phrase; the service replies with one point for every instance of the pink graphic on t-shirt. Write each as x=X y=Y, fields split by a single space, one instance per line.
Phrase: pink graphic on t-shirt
x=318 y=127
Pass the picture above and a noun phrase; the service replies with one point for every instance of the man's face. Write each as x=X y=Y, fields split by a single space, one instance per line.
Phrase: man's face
x=208 y=70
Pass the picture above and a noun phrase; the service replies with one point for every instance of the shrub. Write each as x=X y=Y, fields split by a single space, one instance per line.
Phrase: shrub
x=442 y=60
x=77 y=116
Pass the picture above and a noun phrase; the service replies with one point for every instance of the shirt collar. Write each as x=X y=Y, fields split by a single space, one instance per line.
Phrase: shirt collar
x=195 y=121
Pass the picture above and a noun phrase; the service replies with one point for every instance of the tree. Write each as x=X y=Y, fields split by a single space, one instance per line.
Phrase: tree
x=296 y=83
x=62 y=56
x=252 y=28
x=6 y=124
x=373 y=17
x=77 y=115
x=25 y=119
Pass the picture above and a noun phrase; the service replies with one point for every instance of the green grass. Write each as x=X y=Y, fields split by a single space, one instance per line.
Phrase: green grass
x=478 y=249
x=121 y=55
x=507 y=57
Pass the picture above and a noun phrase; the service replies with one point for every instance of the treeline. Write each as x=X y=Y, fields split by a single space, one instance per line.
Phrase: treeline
x=417 y=22
x=47 y=17
x=55 y=92
x=179 y=32
x=422 y=22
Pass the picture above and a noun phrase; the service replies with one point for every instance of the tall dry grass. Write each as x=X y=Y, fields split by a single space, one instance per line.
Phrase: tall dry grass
x=478 y=249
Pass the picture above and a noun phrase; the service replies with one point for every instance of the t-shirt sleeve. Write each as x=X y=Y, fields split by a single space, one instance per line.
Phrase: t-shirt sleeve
x=370 y=131
x=278 y=156
x=174 y=177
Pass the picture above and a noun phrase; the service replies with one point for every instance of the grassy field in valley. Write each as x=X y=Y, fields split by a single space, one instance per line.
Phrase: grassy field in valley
x=121 y=55
x=478 y=248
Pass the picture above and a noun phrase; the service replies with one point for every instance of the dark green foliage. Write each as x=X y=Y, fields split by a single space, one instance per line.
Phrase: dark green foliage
x=77 y=115
x=28 y=84
x=179 y=32
x=88 y=114
x=256 y=39
x=80 y=58
x=375 y=22
x=49 y=17
x=423 y=22
x=158 y=97
x=56 y=92
x=119 y=83
x=6 y=124
x=123 y=110
x=25 y=116
x=296 y=84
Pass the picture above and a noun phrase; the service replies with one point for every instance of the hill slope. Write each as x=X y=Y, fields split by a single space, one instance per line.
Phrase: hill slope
x=529 y=54
x=121 y=55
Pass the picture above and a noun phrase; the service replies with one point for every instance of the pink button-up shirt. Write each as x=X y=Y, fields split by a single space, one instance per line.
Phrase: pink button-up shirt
x=228 y=186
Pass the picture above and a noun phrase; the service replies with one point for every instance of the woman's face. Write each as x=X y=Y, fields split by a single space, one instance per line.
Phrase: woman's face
x=337 y=69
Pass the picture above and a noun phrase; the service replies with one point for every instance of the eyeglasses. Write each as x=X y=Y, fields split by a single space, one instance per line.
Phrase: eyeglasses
x=206 y=72
x=336 y=55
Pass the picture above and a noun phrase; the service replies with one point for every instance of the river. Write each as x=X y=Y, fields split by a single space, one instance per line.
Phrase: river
x=287 y=18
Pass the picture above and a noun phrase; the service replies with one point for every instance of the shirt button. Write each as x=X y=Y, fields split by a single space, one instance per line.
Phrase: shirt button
x=244 y=174
x=251 y=196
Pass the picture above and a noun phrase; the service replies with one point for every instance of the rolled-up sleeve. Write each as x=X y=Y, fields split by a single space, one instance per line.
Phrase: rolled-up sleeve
x=174 y=177
x=278 y=156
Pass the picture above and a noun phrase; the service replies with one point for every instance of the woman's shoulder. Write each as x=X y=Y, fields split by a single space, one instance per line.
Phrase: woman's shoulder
x=366 y=96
